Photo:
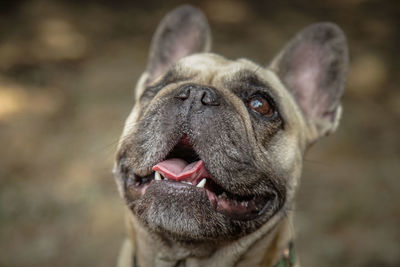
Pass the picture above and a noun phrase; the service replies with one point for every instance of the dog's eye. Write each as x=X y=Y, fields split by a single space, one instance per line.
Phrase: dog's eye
x=261 y=105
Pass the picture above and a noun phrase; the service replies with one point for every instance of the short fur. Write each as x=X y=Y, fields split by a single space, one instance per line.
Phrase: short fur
x=188 y=91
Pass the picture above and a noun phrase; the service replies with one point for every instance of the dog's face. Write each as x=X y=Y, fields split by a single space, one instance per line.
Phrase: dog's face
x=213 y=148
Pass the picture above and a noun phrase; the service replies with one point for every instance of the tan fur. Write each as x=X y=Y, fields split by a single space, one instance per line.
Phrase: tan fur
x=303 y=85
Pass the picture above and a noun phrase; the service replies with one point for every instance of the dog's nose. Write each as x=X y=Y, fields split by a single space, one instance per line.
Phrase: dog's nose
x=199 y=94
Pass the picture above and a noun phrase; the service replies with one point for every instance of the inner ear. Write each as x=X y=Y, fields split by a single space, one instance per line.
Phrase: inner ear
x=182 y=32
x=313 y=67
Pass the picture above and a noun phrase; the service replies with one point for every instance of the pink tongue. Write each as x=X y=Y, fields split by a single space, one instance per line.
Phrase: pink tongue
x=178 y=169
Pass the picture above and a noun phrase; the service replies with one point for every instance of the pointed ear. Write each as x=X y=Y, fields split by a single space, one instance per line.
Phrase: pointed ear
x=313 y=66
x=182 y=32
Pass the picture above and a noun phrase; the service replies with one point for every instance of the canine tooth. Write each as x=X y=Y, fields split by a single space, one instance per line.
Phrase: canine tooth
x=157 y=176
x=223 y=195
x=202 y=183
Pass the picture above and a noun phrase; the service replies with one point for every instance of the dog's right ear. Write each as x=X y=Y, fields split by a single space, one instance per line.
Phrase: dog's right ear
x=182 y=32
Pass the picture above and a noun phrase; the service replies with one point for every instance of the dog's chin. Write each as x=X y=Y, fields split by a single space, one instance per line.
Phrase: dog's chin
x=197 y=209
x=188 y=214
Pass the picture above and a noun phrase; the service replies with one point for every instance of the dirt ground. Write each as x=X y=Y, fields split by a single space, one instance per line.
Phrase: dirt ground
x=67 y=73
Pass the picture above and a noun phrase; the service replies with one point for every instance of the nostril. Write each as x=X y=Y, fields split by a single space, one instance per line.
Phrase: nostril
x=184 y=94
x=210 y=98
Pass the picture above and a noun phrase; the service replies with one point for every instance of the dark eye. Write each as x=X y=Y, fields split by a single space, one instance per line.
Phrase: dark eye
x=261 y=105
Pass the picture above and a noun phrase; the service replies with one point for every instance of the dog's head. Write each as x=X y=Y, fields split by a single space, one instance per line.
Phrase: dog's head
x=213 y=148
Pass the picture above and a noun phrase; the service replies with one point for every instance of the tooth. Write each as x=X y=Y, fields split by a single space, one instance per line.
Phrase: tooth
x=224 y=195
x=157 y=176
x=202 y=183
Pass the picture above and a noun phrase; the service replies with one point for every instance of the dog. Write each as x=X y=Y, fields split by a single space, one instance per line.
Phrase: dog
x=211 y=155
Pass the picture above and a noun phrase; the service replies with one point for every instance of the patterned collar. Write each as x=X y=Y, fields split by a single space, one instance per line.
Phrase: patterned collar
x=288 y=258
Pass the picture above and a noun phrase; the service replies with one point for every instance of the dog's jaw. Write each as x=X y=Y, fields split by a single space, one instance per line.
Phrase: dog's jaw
x=176 y=174
x=196 y=206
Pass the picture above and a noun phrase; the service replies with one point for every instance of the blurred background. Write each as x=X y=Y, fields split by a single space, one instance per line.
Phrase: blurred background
x=67 y=74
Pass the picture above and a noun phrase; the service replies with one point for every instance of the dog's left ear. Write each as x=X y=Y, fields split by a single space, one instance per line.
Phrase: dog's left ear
x=313 y=66
x=182 y=32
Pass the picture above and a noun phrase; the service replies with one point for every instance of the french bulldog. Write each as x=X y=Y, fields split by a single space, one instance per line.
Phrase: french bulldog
x=211 y=155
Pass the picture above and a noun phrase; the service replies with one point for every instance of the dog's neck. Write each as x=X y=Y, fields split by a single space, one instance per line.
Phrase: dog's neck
x=262 y=248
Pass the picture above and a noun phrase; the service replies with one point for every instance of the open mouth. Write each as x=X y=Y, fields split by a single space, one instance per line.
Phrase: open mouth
x=182 y=168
